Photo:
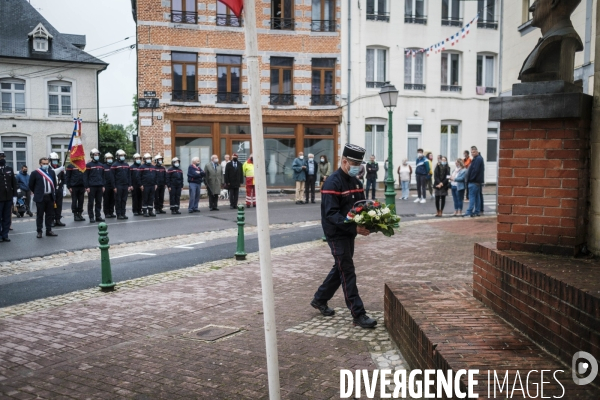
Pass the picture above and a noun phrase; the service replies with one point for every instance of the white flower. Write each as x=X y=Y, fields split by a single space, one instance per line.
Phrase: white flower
x=385 y=211
x=358 y=218
x=372 y=213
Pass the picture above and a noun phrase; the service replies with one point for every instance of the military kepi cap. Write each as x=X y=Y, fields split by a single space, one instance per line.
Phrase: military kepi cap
x=353 y=152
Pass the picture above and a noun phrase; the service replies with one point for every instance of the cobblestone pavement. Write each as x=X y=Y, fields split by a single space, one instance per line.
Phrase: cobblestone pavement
x=134 y=343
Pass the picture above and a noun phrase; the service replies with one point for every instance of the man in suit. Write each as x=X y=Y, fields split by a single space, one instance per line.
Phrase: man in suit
x=213 y=182
x=234 y=177
x=311 y=168
x=8 y=196
x=43 y=185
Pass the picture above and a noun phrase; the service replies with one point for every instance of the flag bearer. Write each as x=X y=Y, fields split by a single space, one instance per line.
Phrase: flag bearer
x=175 y=184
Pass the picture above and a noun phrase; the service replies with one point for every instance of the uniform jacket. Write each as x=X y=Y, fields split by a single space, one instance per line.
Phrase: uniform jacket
x=135 y=175
x=161 y=175
x=37 y=185
x=195 y=174
x=234 y=177
x=299 y=174
x=214 y=177
x=248 y=169
x=109 y=178
x=94 y=174
x=121 y=173
x=340 y=192
x=74 y=177
x=147 y=173
x=8 y=184
x=23 y=181
x=174 y=178
x=60 y=176
x=372 y=169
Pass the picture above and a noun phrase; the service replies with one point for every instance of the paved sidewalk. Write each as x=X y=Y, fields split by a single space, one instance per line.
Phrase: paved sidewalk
x=141 y=341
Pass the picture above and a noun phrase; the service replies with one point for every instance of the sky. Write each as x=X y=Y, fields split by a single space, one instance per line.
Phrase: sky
x=105 y=22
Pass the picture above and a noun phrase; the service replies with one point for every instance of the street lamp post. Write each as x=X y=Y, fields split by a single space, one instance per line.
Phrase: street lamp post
x=389 y=97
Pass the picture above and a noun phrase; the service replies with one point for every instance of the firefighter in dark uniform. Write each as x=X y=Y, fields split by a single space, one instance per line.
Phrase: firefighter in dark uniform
x=340 y=191
x=122 y=178
x=59 y=171
x=74 y=181
x=8 y=196
x=147 y=174
x=175 y=184
x=109 y=187
x=93 y=180
x=136 y=190
x=161 y=180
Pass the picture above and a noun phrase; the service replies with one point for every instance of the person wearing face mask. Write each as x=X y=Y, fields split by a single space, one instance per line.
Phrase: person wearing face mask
x=147 y=173
x=94 y=182
x=174 y=182
x=74 y=181
x=457 y=181
x=372 y=168
x=422 y=175
x=8 y=196
x=310 y=169
x=136 y=185
x=248 y=169
x=23 y=182
x=429 y=157
x=213 y=182
x=109 y=188
x=224 y=163
x=340 y=192
x=299 y=176
x=441 y=180
x=234 y=178
x=161 y=180
x=405 y=172
x=195 y=176
x=121 y=176
x=59 y=171
x=324 y=171
x=43 y=185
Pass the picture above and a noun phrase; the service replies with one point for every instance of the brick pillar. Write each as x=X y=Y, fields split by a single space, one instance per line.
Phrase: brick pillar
x=543 y=177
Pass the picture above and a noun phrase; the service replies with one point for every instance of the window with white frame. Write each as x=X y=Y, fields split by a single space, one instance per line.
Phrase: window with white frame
x=487 y=14
x=451 y=15
x=451 y=72
x=414 y=12
x=377 y=10
x=15 y=151
x=492 y=145
x=40 y=38
x=485 y=74
x=449 y=140
x=376 y=67
x=59 y=98
x=414 y=140
x=413 y=72
x=527 y=15
x=12 y=92
x=375 y=140
x=59 y=146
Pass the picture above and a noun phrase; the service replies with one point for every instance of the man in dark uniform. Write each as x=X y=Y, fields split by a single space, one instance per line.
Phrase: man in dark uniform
x=340 y=192
x=161 y=180
x=234 y=178
x=109 y=187
x=147 y=174
x=8 y=196
x=74 y=181
x=93 y=180
x=59 y=171
x=136 y=190
x=122 y=179
x=175 y=184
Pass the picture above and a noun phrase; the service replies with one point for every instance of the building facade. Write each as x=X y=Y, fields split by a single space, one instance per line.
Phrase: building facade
x=46 y=77
x=193 y=88
x=443 y=99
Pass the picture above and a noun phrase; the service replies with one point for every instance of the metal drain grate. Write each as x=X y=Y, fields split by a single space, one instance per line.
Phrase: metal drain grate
x=211 y=333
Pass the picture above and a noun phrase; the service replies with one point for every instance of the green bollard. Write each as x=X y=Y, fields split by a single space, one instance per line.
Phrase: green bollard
x=107 y=283
x=240 y=254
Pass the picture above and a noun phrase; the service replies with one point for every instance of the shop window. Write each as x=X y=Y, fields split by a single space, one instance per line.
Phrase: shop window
x=320 y=147
x=185 y=85
x=228 y=79
x=282 y=81
x=323 y=82
x=235 y=129
x=280 y=130
x=193 y=129
x=188 y=148
x=279 y=156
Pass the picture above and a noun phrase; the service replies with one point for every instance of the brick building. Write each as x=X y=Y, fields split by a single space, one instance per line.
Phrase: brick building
x=191 y=60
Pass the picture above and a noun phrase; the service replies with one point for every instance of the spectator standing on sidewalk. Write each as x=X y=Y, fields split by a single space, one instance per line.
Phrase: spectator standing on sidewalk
x=467 y=161
x=405 y=174
x=422 y=175
x=475 y=175
x=311 y=177
x=195 y=176
x=213 y=182
x=248 y=170
x=324 y=170
x=429 y=157
x=372 y=168
x=224 y=164
x=234 y=178
x=441 y=181
x=23 y=182
x=361 y=173
x=299 y=176
x=457 y=180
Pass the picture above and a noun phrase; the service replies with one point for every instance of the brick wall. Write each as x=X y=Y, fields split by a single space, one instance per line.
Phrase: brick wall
x=543 y=185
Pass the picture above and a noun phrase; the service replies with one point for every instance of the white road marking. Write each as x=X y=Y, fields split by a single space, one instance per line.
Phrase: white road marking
x=133 y=254
x=307 y=225
x=187 y=246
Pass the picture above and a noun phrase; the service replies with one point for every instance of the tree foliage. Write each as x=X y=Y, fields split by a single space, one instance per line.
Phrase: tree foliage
x=114 y=137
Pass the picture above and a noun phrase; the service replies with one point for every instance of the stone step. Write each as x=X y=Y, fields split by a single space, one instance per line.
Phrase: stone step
x=445 y=327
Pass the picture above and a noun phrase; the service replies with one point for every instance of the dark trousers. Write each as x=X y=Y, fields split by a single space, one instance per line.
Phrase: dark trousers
x=27 y=199
x=59 y=203
x=429 y=185
x=77 y=197
x=371 y=186
x=422 y=186
x=234 y=195
x=5 y=209
x=174 y=197
x=109 y=201
x=95 y=202
x=148 y=197
x=159 y=198
x=213 y=199
x=136 y=199
x=121 y=199
x=440 y=203
x=309 y=187
x=342 y=274
x=45 y=213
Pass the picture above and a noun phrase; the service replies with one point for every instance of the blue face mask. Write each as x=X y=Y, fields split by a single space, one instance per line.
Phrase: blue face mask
x=45 y=167
x=138 y=161
x=354 y=170
x=110 y=161
x=122 y=158
x=96 y=158
x=444 y=163
x=176 y=165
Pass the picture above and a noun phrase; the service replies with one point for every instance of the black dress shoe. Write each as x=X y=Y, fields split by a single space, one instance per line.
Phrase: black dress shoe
x=100 y=219
x=110 y=216
x=50 y=233
x=4 y=240
x=322 y=307
x=39 y=235
x=125 y=217
x=177 y=212
x=216 y=209
x=92 y=220
x=191 y=211
x=313 y=202
x=58 y=223
x=364 y=322
x=120 y=217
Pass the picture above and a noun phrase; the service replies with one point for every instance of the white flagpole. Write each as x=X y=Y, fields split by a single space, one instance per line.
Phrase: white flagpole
x=262 y=209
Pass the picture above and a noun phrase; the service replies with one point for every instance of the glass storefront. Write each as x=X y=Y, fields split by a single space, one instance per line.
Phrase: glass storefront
x=279 y=156
x=186 y=149
x=320 y=147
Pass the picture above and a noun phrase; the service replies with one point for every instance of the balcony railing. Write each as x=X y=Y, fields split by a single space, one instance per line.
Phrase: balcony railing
x=415 y=19
x=491 y=90
x=372 y=85
x=229 y=97
x=378 y=16
x=228 y=20
x=284 y=24
x=452 y=22
x=282 y=99
x=322 y=100
x=184 y=17
x=451 y=88
x=184 y=95
x=324 y=25
x=414 y=86
x=487 y=24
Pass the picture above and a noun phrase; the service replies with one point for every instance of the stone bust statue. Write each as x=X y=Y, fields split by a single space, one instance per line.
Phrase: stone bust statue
x=553 y=58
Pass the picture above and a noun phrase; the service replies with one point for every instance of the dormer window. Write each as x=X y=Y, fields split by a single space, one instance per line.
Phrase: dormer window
x=40 y=44
x=40 y=37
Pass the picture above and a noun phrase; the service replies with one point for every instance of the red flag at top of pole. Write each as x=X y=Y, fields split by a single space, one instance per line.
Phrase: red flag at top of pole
x=236 y=6
x=77 y=154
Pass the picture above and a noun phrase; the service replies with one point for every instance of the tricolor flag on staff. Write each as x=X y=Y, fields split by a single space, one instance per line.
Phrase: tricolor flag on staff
x=236 y=6
x=76 y=152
